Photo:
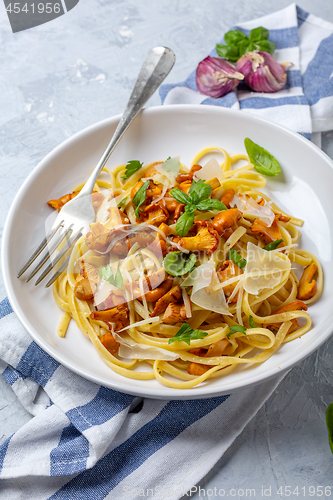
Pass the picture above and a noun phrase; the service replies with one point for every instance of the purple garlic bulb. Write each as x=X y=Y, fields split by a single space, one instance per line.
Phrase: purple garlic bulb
x=216 y=77
x=262 y=73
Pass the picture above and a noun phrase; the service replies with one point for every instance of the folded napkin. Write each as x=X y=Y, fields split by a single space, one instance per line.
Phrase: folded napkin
x=87 y=441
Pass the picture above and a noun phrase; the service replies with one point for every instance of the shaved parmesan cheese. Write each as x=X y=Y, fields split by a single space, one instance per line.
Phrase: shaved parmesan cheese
x=155 y=319
x=263 y=269
x=170 y=169
x=130 y=349
x=187 y=304
x=202 y=279
x=164 y=190
x=250 y=206
x=104 y=288
x=211 y=170
x=103 y=213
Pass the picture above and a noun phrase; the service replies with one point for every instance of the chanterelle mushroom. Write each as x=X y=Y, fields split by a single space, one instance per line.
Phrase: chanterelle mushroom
x=154 y=214
x=84 y=289
x=297 y=305
x=175 y=313
x=98 y=237
x=118 y=316
x=229 y=270
x=226 y=219
x=307 y=287
x=206 y=239
x=215 y=349
x=171 y=297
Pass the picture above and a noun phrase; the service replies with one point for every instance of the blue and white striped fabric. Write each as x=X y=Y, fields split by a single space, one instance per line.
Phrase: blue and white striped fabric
x=90 y=442
x=86 y=441
x=305 y=105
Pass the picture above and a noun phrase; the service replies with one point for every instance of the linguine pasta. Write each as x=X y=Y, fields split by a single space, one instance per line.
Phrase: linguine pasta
x=187 y=274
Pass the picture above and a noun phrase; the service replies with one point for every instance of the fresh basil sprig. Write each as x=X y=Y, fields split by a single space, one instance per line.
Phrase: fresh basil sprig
x=329 y=424
x=184 y=223
x=200 y=191
x=180 y=196
x=106 y=274
x=186 y=334
x=179 y=263
x=263 y=161
x=237 y=43
x=273 y=245
x=131 y=167
x=140 y=197
x=237 y=259
x=210 y=205
x=196 y=199
x=236 y=328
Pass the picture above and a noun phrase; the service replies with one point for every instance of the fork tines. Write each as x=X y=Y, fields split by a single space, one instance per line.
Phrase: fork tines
x=64 y=235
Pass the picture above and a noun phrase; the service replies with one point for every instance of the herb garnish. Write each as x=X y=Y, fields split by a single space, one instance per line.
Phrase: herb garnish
x=236 y=328
x=196 y=199
x=179 y=263
x=237 y=259
x=273 y=245
x=252 y=323
x=186 y=334
x=237 y=43
x=140 y=197
x=132 y=167
x=106 y=274
x=263 y=161
x=122 y=202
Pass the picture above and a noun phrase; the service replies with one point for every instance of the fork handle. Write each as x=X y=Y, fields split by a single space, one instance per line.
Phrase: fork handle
x=157 y=65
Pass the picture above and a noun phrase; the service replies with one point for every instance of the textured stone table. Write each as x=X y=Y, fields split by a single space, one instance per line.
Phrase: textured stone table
x=60 y=77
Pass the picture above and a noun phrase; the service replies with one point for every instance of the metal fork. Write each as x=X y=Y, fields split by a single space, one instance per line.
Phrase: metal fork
x=74 y=218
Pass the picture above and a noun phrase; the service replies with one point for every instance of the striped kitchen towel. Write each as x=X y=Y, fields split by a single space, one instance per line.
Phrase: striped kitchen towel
x=89 y=442
x=305 y=104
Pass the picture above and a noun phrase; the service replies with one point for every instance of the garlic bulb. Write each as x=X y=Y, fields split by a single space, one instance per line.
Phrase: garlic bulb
x=216 y=77
x=262 y=73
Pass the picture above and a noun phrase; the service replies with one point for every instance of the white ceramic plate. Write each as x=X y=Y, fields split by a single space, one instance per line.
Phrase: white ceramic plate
x=304 y=190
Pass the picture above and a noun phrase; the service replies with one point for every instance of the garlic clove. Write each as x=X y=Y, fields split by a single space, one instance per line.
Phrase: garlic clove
x=262 y=72
x=216 y=77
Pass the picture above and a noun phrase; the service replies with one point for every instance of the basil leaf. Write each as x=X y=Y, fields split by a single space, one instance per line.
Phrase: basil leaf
x=140 y=197
x=171 y=166
x=258 y=34
x=237 y=259
x=190 y=208
x=245 y=46
x=132 y=167
x=329 y=424
x=252 y=323
x=263 y=161
x=211 y=205
x=273 y=245
x=122 y=202
x=106 y=274
x=200 y=191
x=186 y=334
x=180 y=196
x=265 y=46
x=233 y=37
x=184 y=223
x=179 y=263
x=236 y=328
x=229 y=52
